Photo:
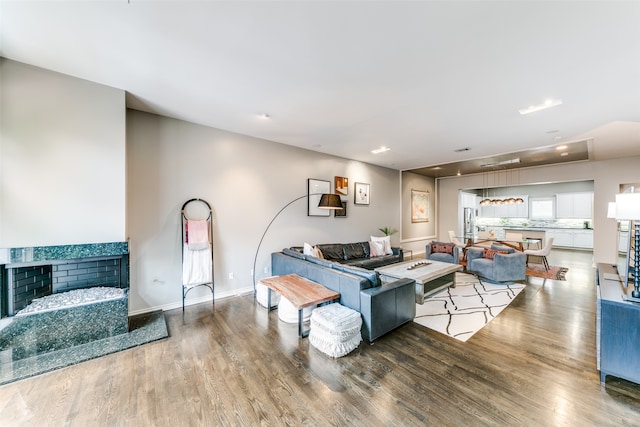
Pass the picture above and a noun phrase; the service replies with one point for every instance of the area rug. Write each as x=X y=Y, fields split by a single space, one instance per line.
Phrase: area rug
x=462 y=311
x=555 y=273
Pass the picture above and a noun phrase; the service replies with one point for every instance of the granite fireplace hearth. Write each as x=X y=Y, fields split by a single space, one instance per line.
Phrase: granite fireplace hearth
x=62 y=305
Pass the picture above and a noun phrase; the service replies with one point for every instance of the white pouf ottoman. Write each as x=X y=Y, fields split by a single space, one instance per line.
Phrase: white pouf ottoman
x=289 y=314
x=262 y=296
x=335 y=329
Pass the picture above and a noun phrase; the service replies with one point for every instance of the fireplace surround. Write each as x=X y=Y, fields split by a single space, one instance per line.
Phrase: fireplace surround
x=35 y=272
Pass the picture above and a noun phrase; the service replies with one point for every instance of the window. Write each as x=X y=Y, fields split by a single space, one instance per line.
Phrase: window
x=542 y=208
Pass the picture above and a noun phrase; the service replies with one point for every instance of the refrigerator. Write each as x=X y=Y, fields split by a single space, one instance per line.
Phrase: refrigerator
x=469 y=226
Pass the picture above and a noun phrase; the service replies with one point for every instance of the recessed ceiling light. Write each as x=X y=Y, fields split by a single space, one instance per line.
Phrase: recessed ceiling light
x=546 y=104
x=561 y=147
x=564 y=154
x=380 y=150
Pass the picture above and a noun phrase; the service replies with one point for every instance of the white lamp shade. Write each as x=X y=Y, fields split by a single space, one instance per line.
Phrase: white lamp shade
x=611 y=210
x=628 y=206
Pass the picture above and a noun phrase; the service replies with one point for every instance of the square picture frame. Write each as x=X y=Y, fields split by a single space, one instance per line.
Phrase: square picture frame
x=315 y=189
x=419 y=206
x=341 y=213
x=362 y=193
x=342 y=185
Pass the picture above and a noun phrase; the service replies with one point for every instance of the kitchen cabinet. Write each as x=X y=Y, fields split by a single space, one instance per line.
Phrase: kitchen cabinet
x=578 y=238
x=563 y=238
x=574 y=205
x=583 y=239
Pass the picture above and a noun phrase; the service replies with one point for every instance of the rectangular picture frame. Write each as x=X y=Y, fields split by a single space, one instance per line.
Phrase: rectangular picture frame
x=342 y=185
x=361 y=193
x=341 y=213
x=419 y=206
x=315 y=189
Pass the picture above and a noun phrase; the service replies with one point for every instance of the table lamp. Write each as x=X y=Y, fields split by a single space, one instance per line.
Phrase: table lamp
x=628 y=208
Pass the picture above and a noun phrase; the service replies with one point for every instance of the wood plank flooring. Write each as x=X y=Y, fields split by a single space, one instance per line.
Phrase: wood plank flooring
x=237 y=365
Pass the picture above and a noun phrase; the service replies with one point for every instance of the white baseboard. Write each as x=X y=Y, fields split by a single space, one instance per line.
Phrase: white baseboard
x=192 y=301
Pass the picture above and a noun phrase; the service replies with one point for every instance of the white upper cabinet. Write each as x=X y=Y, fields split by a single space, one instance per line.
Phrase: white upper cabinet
x=574 y=205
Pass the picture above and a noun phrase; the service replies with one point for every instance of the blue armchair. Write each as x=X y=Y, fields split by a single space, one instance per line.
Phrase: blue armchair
x=441 y=251
x=503 y=267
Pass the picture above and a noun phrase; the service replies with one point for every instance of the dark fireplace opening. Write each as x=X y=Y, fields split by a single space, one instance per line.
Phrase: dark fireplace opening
x=26 y=283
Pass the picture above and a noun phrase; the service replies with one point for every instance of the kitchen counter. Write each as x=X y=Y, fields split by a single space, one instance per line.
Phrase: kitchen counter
x=510 y=227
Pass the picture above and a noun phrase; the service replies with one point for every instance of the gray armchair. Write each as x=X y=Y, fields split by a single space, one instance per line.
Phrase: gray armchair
x=504 y=267
x=441 y=251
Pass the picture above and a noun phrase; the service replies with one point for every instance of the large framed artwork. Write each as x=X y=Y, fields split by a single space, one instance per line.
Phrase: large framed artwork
x=361 y=193
x=342 y=186
x=419 y=206
x=315 y=189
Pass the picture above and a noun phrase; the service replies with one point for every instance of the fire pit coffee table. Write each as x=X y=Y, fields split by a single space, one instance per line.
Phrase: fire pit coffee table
x=430 y=276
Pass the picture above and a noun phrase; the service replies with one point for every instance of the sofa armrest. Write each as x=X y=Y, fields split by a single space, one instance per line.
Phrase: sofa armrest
x=398 y=251
x=473 y=253
x=517 y=259
x=391 y=305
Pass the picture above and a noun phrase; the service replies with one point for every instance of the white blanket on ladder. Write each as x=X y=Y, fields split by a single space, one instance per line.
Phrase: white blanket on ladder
x=196 y=266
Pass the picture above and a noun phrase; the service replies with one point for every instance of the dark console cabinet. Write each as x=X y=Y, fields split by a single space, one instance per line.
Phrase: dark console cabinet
x=618 y=329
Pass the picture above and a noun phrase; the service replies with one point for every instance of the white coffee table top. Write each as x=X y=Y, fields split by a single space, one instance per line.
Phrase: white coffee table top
x=424 y=270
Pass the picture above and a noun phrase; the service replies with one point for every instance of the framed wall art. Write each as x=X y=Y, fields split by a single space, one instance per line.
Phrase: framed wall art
x=419 y=206
x=342 y=185
x=361 y=193
x=341 y=213
x=315 y=189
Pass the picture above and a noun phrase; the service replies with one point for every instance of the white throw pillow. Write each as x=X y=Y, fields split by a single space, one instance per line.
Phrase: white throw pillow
x=376 y=248
x=387 y=243
x=308 y=250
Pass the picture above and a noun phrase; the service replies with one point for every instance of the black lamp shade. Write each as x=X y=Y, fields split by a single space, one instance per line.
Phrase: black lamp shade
x=330 y=201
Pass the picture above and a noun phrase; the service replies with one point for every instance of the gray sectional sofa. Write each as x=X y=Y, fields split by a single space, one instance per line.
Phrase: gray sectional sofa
x=383 y=307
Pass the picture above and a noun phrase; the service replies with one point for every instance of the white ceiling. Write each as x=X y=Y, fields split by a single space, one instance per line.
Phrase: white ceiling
x=423 y=78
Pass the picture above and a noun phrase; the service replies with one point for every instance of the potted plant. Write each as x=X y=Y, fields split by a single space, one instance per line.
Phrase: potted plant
x=387 y=231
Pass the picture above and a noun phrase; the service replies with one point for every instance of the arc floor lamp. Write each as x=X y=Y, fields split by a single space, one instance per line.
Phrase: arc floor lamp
x=327 y=201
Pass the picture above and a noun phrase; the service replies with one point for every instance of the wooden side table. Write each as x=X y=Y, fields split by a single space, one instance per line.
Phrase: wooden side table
x=301 y=292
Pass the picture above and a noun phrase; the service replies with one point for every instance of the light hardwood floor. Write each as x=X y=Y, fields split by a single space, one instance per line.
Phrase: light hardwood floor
x=236 y=364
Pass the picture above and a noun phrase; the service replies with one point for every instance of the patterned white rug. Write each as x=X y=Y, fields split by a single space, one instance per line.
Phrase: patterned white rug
x=462 y=311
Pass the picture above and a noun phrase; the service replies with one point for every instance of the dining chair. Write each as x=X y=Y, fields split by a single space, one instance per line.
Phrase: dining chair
x=513 y=237
x=453 y=239
x=484 y=239
x=543 y=253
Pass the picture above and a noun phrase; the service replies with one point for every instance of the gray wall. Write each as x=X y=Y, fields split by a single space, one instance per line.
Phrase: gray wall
x=246 y=180
x=416 y=235
x=62 y=159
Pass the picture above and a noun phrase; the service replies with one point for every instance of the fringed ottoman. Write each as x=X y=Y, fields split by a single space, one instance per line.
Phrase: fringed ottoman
x=335 y=329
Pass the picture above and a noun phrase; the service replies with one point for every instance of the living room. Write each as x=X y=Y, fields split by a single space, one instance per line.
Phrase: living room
x=100 y=171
